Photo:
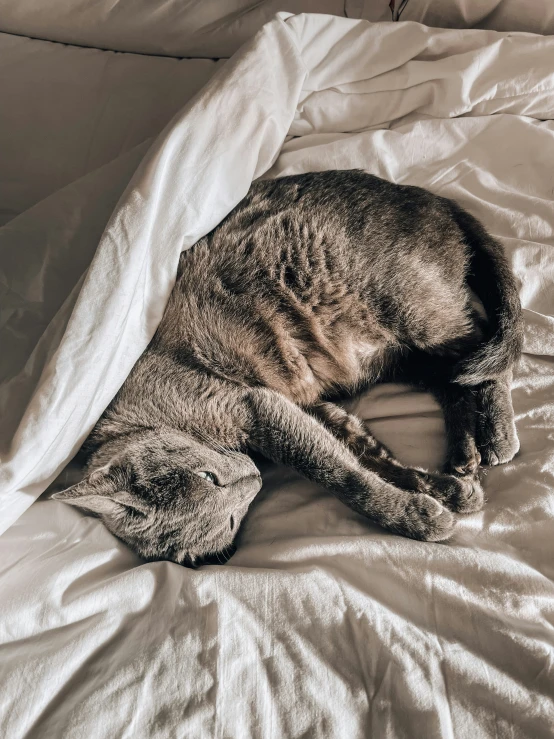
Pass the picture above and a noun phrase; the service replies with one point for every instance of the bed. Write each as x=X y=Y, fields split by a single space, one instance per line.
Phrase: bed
x=321 y=625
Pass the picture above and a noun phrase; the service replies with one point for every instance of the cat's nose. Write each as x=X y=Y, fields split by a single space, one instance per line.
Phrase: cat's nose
x=251 y=486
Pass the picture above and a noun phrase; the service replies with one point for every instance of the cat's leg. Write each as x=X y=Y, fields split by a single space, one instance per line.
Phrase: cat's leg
x=284 y=433
x=496 y=434
x=479 y=423
x=459 y=407
x=456 y=494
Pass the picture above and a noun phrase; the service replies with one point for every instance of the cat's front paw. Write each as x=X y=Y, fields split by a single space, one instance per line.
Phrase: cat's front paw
x=459 y=494
x=427 y=520
x=464 y=494
x=498 y=444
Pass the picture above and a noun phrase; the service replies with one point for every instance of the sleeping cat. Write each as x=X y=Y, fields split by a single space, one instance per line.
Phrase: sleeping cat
x=312 y=289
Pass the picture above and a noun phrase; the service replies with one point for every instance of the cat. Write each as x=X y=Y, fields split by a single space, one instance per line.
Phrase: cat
x=314 y=288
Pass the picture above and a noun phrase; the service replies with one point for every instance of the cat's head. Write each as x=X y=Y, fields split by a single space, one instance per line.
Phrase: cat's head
x=168 y=496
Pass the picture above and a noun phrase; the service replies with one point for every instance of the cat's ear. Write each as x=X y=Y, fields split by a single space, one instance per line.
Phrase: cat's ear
x=101 y=493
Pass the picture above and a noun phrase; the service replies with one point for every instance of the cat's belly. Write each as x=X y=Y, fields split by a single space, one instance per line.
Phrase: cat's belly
x=311 y=372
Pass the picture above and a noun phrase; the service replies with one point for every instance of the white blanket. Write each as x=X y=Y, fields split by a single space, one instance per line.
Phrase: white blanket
x=322 y=624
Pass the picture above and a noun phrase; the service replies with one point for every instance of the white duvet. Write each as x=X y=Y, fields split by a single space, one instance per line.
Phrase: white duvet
x=322 y=624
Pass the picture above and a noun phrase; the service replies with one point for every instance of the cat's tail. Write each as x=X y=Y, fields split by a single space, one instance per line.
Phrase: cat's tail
x=490 y=277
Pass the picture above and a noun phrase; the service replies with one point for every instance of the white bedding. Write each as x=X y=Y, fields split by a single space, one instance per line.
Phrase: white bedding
x=322 y=624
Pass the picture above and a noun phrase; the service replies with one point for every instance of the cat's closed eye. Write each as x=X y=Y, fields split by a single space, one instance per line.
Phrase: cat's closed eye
x=208 y=476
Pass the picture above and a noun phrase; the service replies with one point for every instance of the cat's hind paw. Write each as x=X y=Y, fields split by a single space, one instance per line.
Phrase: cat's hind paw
x=498 y=445
x=464 y=460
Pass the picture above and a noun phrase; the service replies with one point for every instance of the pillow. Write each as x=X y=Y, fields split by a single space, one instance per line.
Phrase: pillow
x=372 y=10
x=535 y=16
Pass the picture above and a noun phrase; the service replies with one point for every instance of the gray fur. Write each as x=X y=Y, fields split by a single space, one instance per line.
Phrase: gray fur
x=314 y=288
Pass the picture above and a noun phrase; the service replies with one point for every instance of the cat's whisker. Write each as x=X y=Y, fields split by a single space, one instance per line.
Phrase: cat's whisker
x=217 y=446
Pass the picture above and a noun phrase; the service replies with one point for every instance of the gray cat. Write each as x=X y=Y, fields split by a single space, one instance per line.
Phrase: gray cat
x=314 y=288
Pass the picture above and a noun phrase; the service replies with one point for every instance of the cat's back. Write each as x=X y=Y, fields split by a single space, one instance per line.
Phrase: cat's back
x=314 y=233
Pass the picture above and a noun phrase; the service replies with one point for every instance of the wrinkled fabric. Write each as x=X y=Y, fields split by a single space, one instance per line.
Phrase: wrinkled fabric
x=322 y=624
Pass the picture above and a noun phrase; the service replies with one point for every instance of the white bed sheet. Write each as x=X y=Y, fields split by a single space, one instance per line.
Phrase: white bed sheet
x=322 y=624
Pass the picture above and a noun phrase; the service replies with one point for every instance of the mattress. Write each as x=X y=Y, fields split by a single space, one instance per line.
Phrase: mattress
x=322 y=624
